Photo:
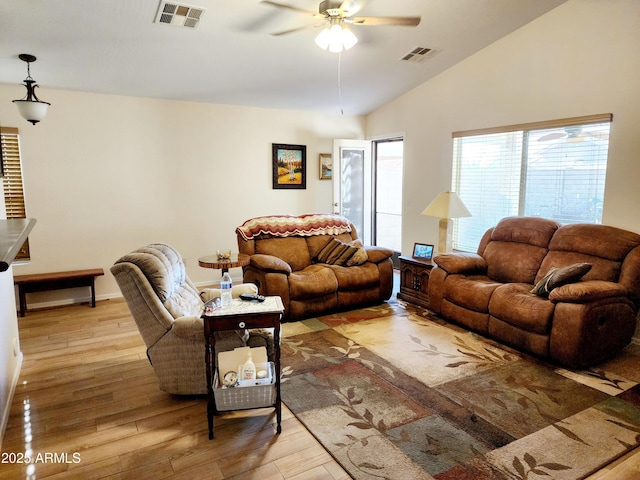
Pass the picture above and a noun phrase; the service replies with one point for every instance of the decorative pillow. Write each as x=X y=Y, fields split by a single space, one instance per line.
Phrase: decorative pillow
x=360 y=256
x=336 y=252
x=556 y=277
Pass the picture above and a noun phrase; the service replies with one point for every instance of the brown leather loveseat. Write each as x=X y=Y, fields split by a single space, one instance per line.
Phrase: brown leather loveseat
x=527 y=287
x=315 y=263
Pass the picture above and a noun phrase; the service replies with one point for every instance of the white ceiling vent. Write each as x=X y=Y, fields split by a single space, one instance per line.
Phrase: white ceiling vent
x=172 y=13
x=419 y=55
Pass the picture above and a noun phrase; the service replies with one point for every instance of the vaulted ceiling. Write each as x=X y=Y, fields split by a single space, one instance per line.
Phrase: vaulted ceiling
x=115 y=47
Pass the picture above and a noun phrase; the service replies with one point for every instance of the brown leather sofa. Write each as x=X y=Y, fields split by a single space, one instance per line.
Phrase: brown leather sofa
x=285 y=261
x=576 y=324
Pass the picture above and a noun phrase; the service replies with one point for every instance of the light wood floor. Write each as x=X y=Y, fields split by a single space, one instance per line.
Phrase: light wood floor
x=86 y=388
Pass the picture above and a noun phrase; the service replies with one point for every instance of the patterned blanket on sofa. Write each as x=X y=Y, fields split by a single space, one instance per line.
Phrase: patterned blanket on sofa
x=294 y=225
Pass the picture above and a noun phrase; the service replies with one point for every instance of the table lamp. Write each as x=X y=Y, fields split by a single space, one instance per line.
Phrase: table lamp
x=445 y=206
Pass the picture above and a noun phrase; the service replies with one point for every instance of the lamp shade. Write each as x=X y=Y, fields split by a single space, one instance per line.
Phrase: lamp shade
x=447 y=205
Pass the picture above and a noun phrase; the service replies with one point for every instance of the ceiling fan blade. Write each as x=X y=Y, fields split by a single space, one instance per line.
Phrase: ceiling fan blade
x=551 y=136
x=374 y=21
x=351 y=7
x=297 y=29
x=289 y=7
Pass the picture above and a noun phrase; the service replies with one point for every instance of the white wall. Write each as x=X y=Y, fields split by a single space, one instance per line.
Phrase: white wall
x=10 y=355
x=579 y=59
x=107 y=174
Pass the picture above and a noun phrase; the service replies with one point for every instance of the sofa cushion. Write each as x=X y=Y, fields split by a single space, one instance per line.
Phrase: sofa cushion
x=597 y=240
x=601 y=268
x=292 y=250
x=517 y=247
x=360 y=256
x=527 y=230
x=556 y=277
x=471 y=292
x=514 y=304
x=336 y=252
x=356 y=277
x=315 y=243
x=568 y=274
x=313 y=281
x=513 y=262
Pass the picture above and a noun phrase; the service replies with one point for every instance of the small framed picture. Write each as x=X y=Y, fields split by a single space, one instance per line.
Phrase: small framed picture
x=326 y=166
x=422 y=251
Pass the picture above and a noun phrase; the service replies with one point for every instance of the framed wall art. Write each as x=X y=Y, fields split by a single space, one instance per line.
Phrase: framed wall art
x=326 y=166
x=289 y=164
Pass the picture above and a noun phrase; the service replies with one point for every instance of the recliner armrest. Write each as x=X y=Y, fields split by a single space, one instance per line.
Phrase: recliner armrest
x=270 y=263
x=587 y=291
x=377 y=254
x=236 y=290
x=467 y=263
x=188 y=327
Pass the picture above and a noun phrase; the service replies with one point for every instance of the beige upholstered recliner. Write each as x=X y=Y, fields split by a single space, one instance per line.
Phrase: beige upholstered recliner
x=166 y=307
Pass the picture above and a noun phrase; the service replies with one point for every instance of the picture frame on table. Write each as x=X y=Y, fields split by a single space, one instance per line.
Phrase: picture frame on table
x=423 y=251
x=326 y=166
x=289 y=166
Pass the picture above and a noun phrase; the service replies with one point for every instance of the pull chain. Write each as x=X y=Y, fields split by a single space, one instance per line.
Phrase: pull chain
x=340 y=83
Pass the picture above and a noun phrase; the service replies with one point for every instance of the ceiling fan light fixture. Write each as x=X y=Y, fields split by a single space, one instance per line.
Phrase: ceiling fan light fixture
x=336 y=37
x=349 y=38
x=322 y=40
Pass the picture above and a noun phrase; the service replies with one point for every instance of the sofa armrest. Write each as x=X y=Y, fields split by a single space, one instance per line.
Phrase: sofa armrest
x=270 y=263
x=588 y=291
x=467 y=263
x=377 y=254
x=188 y=327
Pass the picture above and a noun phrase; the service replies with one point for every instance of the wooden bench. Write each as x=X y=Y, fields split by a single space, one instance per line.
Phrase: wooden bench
x=40 y=282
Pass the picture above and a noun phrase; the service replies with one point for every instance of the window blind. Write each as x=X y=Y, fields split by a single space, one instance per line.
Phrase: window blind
x=553 y=169
x=12 y=180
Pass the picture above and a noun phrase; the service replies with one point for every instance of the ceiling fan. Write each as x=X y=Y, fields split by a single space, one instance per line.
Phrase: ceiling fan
x=574 y=134
x=336 y=15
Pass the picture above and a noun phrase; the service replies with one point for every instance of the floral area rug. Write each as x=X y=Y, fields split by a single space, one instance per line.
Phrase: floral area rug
x=393 y=392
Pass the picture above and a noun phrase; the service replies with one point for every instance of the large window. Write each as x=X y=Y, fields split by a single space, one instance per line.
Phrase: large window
x=553 y=169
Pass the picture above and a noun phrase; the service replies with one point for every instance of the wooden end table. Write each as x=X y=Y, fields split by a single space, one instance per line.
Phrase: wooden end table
x=212 y=261
x=414 y=280
x=240 y=315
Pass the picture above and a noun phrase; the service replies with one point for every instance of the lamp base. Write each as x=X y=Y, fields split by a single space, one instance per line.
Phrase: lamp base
x=444 y=236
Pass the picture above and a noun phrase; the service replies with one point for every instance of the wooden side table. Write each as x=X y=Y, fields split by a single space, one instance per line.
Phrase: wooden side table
x=241 y=315
x=212 y=261
x=414 y=280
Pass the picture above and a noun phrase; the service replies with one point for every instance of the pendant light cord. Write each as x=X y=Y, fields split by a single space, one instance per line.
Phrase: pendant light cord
x=340 y=83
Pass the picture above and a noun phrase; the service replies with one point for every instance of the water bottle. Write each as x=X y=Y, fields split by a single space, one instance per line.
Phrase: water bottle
x=225 y=290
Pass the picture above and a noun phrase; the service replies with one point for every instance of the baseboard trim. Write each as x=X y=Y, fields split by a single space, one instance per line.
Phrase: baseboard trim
x=108 y=296
x=7 y=406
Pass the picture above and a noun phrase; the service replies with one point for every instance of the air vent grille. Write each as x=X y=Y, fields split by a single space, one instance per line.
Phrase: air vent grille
x=419 y=55
x=171 y=13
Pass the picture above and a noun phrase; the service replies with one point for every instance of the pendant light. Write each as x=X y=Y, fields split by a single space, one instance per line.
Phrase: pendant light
x=31 y=108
